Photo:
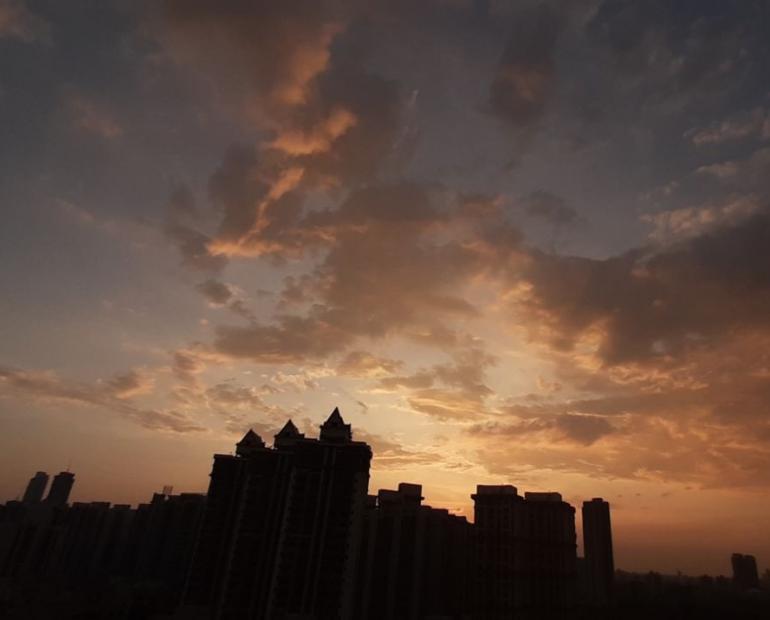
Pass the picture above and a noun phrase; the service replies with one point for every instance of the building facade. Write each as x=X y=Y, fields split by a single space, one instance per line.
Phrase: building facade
x=525 y=554
x=281 y=532
x=599 y=564
x=415 y=560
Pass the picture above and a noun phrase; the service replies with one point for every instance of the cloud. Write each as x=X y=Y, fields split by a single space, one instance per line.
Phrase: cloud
x=130 y=384
x=749 y=174
x=455 y=390
x=292 y=339
x=216 y=292
x=327 y=121
x=251 y=39
x=114 y=395
x=544 y=205
x=576 y=428
x=385 y=244
x=526 y=74
x=363 y=364
x=93 y=118
x=687 y=222
x=388 y=454
x=648 y=306
x=180 y=228
x=754 y=124
x=18 y=22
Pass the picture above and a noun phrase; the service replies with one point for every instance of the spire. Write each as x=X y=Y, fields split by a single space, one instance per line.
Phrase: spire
x=250 y=443
x=287 y=436
x=335 y=429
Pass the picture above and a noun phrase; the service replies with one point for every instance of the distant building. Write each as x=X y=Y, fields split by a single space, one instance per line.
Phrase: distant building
x=745 y=574
x=61 y=487
x=597 y=545
x=525 y=560
x=415 y=559
x=281 y=532
x=35 y=488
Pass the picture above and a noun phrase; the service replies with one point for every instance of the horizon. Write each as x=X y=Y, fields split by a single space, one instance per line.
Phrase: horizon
x=516 y=242
x=466 y=511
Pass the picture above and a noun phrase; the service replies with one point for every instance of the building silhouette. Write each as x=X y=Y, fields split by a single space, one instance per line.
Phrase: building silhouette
x=415 y=560
x=35 y=488
x=289 y=531
x=598 y=564
x=282 y=528
x=59 y=493
x=745 y=574
x=525 y=553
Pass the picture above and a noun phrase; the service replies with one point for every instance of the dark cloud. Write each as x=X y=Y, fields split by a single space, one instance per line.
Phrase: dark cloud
x=182 y=219
x=648 y=306
x=525 y=77
x=378 y=277
x=292 y=339
x=215 y=292
x=18 y=22
x=243 y=45
x=580 y=429
x=131 y=384
x=687 y=47
x=549 y=207
x=113 y=396
x=454 y=390
x=328 y=121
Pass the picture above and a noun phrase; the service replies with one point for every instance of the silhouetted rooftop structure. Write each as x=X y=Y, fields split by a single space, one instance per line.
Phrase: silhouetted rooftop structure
x=250 y=442
x=745 y=573
x=35 y=488
x=287 y=436
x=59 y=493
x=335 y=429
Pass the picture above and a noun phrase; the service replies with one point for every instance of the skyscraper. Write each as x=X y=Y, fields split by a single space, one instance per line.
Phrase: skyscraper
x=61 y=486
x=745 y=574
x=282 y=526
x=525 y=553
x=597 y=545
x=415 y=560
x=36 y=488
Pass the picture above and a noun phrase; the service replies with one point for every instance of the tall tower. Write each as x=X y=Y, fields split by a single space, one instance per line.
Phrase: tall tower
x=61 y=486
x=322 y=525
x=597 y=545
x=745 y=574
x=36 y=488
x=525 y=553
x=499 y=552
x=282 y=526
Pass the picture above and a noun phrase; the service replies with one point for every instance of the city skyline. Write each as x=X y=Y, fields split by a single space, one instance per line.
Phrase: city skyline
x=517 y=242
x=599 y=529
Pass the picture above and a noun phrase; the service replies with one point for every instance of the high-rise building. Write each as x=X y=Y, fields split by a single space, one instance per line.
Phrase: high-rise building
x=745 y=573
x=61 y=486
x=525 y=561
x=597 y=547
x=415 y=561
x=282 y=526
x=35 y=488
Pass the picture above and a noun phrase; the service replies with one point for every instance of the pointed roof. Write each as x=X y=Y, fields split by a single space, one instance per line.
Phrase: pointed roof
x=250 y=442
x=335 y=417
x=335 y=429
x=289 y=430
x=288 y=435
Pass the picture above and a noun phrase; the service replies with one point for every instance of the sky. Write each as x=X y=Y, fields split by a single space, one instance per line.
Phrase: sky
x=516 y=242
